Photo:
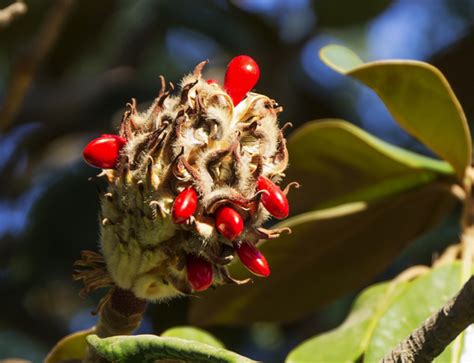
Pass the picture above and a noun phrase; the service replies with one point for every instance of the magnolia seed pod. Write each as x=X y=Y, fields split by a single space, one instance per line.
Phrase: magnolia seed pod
x=184 y=186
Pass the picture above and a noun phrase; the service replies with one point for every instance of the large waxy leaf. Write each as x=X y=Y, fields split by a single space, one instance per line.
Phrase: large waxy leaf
x=329 y=253
x=381 y=317
x=71 y=347
x=418 y=97
x=150 y=348
x=336 y=162
x=192 y=333
x=348 y=342
x=423 y=297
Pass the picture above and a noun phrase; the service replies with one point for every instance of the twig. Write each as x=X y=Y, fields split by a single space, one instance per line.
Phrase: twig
x=434 y=335
x=120 y=315
x=26 y=66
x=12 y=11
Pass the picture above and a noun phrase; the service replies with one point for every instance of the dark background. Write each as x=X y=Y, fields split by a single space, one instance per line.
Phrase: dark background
x=67 y=68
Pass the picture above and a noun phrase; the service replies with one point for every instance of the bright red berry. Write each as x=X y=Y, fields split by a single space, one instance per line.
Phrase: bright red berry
x=104 y=151
x=274 y=200
x=229 y=223
x=211 y=81
x=184 y=205
x=241 y=76
x=252 y=258
x=199 y=273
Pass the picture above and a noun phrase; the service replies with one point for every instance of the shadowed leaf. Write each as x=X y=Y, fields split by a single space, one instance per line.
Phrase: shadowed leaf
x=329 y=253
x=71 y=347
x=336 y=162
x=418 y=97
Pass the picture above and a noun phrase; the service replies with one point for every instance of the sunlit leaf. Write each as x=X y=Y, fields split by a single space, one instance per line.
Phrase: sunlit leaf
x=192 y=333
x=329 y=253
x=381 y=317
x=149 y=348
x=348 y=342
x=423 y=297
x=336 y=162
x=418 y=97
x=70 y=347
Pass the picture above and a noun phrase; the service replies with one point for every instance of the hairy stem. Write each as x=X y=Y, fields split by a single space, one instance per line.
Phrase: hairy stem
x=120 y=315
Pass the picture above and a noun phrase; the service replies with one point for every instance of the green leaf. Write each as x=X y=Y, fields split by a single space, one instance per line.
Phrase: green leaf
x=340 y=58
x=423 y=297
x=382 y=316
x=71 y=347
x=418 y=97
x=348 y=342
x=149 y=348
x=192 y=333
x=330 y=253
x=336 y=162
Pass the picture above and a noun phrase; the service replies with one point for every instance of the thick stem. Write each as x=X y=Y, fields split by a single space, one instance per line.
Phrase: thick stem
x=434 y=335
x=120 y=315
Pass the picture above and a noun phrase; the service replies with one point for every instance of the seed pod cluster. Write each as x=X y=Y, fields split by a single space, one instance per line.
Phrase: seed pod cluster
x=190 y=182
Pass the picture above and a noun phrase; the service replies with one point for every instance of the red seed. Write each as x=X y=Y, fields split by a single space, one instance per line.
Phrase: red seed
x=252 y=258
x=184 y=205
x=104 y=151
x=241 y=76
x=229 y=223
x=274 y=200
x=211 y=81
x=199 y=273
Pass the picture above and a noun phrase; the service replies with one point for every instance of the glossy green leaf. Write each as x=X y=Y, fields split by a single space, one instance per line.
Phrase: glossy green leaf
x=71 y=347
x=195 y=334
x=337 y=162
x=348 y=342
x=382 y=316
x=418 y=97
x=149 y=348
x=423 y=297
x=329 y=253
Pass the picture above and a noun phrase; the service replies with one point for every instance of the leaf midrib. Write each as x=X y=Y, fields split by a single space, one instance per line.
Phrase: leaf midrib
x=382 y=307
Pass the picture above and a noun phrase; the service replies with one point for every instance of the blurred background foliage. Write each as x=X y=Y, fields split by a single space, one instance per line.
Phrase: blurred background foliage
x=68 y=67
